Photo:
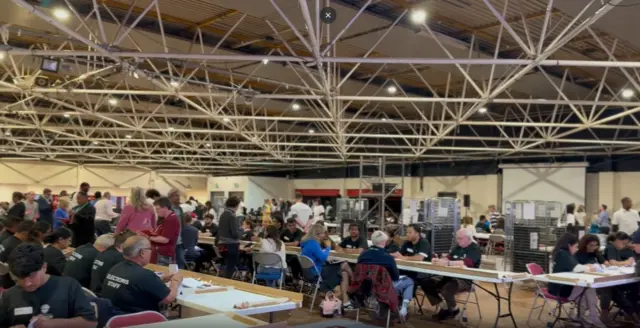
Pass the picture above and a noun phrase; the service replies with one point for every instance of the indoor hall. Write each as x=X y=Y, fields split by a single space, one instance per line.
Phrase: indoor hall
x=447 y=152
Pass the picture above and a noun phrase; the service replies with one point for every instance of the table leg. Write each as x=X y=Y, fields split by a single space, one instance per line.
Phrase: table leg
x=271 y=317
x=499 y=298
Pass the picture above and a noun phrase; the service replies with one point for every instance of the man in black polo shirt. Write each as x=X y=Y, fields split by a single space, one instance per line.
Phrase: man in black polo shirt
x=292 y=235
x=132 y=288
x=107 y=260
x=355 y=243
x=415 y=248
x=10 y=226
x=21 y=235
x=377 y=255
x=80 y=262
x=40 y=300
x=467 y=254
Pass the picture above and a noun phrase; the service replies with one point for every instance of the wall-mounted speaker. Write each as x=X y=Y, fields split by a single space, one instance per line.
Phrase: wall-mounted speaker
x=466 y=200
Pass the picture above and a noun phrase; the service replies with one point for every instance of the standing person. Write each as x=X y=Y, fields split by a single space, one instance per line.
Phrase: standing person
x=17 y=208
x=174 y=198
x=240 y=211
x=31 y=211
x=229 y=235
x=137 y=215
x=189 y=238
x=84 y=187
x=58 y=241
x=581 y=216
x=626 y=219
x=61 y=215
x=494 y=216
x=571 y=219
x=104 y=214
x=266 y=213
x=603 y=220
x=45 y=206
x=301 y=212
x=96 y=197
x=166 y=236
x=467 y=224
x=82 y=220
x=39 y=299
x=152 y=195
x=318 y=211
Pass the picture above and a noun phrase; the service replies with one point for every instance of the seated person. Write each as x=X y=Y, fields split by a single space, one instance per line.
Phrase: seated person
x=107 y=260
x=189 y=239
x=415 y=248
x=80 y=262
x=58 y=241
x=132 y=288
x=292 y=235
x=10 y=226
x=39 y=299
x=483 y=225
x=332 y=274
x=564 y=261
x=247 y=230
x=617 y=243
x=377 y=255
x=355 y=243
x=20 y=236
x=466 y=253
x=209 y=226
x=392 y=246
x=39 y=231
x=271 y=243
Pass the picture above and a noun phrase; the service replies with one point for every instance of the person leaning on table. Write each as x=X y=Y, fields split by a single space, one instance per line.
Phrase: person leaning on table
x=40 y=300
x=466 y=253
x=564 y=261
x=131 y=288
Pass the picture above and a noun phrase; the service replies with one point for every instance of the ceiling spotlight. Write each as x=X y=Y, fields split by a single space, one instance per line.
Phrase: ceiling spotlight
x=66 y=115
x=265 y=61
x=627 y=93
x=482 y=110
x=95 y=142
x=226 y=119
x=170 y=150
x=113 y=101
x=174 y=84
x=295 y=106
x=312 y=131
x=384 y=119
x=208 y=145
x=171 y=128
x=61 y=13
x=7 y=133
x=418 y=16
x=2 y=55
x=128 y=136
x=392 y=89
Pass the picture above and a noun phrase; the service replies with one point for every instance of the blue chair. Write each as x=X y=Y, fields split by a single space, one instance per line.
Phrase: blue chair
x=268 y=267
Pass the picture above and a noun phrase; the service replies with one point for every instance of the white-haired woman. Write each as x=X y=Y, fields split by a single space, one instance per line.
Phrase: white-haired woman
x=137 y=215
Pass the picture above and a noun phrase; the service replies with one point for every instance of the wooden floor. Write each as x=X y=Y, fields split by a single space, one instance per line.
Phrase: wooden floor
x=522 y=299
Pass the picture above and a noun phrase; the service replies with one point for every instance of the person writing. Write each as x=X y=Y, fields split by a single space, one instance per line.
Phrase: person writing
x=58 y=241
x=132 y=288
x=40 y=300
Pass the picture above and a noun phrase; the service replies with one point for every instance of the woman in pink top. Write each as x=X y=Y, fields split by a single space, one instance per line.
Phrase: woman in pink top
x=137 y=215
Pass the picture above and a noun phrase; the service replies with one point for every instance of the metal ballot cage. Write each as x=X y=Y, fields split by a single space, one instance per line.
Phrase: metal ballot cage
x=442 y=222
x=530 y=233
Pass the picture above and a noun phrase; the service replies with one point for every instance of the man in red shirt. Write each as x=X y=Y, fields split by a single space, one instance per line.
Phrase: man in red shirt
x=165 y=237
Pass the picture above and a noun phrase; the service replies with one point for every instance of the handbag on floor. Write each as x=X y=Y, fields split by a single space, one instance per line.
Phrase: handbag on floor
x=331 y=306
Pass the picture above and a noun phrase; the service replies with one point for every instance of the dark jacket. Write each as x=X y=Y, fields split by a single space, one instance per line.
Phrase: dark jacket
x=381 y=284
x=229 y=230
x=17 y=210
x=46 y=210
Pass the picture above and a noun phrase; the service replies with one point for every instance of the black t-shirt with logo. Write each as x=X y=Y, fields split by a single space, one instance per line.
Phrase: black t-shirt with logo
x=8 y=245
x=80 y=263
x=349 y=243
x=471 y=252
x=4 y=235
x=132 y=288
x=392 y=247
x=290 y=237
x=55 y=260
x=101 y=267
x=58 y=298
x=422 y=247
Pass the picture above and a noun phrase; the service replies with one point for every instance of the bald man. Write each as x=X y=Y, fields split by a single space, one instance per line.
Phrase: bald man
x=132 y=288
x=467 y=254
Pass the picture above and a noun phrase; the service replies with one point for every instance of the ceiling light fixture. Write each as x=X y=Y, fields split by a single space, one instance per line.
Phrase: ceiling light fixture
x=171 y=128
x=66 y=115
x=61 y=13
x=392 y=89
x=174 y=84
x=312 y=131
x=482 y=110
x=418 y=16
x=265 y=61
x=95 y=142
x=627 y=93
x=7 y=133
x=295 y=106
x=2 y=55
x=170 y=150
x=113 y=101
x=128 y=136
x=384 y=119
x=226 y=119
x=208 y=145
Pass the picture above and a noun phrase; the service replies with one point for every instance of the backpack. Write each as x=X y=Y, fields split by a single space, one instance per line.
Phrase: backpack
x=331 y=306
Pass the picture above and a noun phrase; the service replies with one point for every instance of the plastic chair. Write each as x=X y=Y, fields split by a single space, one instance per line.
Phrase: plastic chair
x=309 y=267
x=135 y=319
x=494 y=241
x=268 y=260
x=543 y=293
x=462 y=317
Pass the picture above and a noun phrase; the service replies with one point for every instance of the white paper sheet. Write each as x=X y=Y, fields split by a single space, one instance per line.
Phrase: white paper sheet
x=529 y=211
x=533 y=240
x=517 y=211
x=443 y=211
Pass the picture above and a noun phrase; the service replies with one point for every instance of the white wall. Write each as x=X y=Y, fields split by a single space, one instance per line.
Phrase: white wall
x=35 y=176
x=261 y=188
x=552 y=182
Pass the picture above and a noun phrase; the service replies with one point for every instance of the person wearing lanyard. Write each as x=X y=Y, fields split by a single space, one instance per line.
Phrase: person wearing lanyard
x=174 y=197
x=229 y=235
x=82 y=221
